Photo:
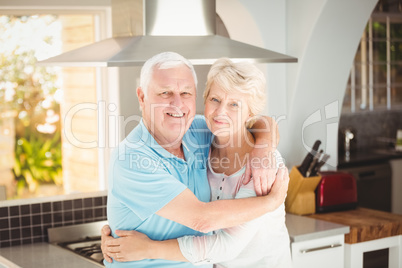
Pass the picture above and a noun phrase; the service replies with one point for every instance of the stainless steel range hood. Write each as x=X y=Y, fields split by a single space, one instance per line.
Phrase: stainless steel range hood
x=183 y=26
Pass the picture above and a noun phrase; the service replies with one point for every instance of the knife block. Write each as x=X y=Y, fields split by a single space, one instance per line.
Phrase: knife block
x=300 y=199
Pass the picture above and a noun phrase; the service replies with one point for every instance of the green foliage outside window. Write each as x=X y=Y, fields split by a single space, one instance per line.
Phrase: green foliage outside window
x=33 y=94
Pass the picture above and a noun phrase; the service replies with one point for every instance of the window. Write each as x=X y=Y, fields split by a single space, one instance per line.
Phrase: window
x=375 y=81
x=80 y=165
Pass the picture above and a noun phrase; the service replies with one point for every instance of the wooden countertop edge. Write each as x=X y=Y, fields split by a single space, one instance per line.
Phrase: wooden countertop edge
x=365 y=224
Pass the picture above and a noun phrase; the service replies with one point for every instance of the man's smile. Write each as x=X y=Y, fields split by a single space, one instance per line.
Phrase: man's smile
x=176 y=115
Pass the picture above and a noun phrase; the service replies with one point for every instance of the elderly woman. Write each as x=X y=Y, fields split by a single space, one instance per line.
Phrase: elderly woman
x=234 y=95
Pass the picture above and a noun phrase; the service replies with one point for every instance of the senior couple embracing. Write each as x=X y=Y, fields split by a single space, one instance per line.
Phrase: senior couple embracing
x=189 y=190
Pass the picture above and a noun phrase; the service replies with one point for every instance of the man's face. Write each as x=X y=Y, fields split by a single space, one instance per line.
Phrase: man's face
x=169 y=105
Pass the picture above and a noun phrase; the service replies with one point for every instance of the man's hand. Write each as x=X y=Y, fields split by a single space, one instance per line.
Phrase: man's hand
x=106 y=236
x=131 y=246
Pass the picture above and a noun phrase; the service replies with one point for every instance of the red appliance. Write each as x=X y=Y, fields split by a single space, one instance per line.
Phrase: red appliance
x=336 y=191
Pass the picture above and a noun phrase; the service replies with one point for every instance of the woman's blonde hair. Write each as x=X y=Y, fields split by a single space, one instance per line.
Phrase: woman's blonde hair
x=239 y=77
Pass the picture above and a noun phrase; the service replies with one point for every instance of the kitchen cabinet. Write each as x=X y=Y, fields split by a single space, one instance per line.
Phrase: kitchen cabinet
x=370 y=231
x=396 y=165
x=325 y=252
x=316 y=243
x=378 y=174
x=374 y=186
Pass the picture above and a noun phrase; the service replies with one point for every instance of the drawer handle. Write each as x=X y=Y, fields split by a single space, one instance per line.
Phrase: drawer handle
x=304 y=251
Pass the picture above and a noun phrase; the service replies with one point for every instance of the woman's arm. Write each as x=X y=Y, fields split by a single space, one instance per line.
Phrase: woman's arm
x=186 y=209
x=135 y=246
x=225 y=213
x=222 y=246
x=261 y=164
x=127 y=248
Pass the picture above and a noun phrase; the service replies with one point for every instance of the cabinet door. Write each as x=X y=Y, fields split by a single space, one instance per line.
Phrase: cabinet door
x=325 y=252
x=396 y=165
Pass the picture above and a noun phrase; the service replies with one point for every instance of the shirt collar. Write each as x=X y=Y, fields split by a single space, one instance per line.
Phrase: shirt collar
x=149 y=140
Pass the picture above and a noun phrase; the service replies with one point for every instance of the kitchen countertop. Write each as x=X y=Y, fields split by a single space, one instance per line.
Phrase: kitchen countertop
x=365 y=224
x=303 y=228
x=367 y=157
x=42 y=255
x=47 y=255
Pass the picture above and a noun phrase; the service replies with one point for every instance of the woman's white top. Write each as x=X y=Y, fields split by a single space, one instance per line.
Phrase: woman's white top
x=263 y=242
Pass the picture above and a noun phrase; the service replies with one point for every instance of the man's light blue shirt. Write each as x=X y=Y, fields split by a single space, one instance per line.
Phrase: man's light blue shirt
x=144 y=177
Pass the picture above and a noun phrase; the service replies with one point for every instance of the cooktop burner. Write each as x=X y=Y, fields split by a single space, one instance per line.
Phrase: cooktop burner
x=82 y=239
x=90 y=248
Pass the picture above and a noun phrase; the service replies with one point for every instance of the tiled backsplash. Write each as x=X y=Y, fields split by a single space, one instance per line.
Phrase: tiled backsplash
x=373 y=129
x=28 y=223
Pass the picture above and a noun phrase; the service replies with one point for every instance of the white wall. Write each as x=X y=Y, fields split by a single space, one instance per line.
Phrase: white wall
x=305 y=97
x=324 y=35
x=263 y=24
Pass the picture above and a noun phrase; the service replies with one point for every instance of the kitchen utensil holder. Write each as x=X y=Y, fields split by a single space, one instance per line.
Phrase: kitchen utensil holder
x=300 y=199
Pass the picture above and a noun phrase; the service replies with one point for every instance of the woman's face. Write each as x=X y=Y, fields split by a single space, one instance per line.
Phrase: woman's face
x=226 y=114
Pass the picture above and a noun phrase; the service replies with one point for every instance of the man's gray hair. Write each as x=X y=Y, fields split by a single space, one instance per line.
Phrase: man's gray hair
x=164 y=60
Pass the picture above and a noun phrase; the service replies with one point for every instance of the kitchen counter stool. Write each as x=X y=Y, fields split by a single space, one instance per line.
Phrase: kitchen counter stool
x=369 y=230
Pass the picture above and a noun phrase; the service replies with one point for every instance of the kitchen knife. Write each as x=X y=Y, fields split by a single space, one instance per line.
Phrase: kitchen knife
x=314 y=163
x=317 y=168
x=309 y=158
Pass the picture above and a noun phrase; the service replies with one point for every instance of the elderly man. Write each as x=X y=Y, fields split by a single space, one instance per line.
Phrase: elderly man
x=157 y=180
